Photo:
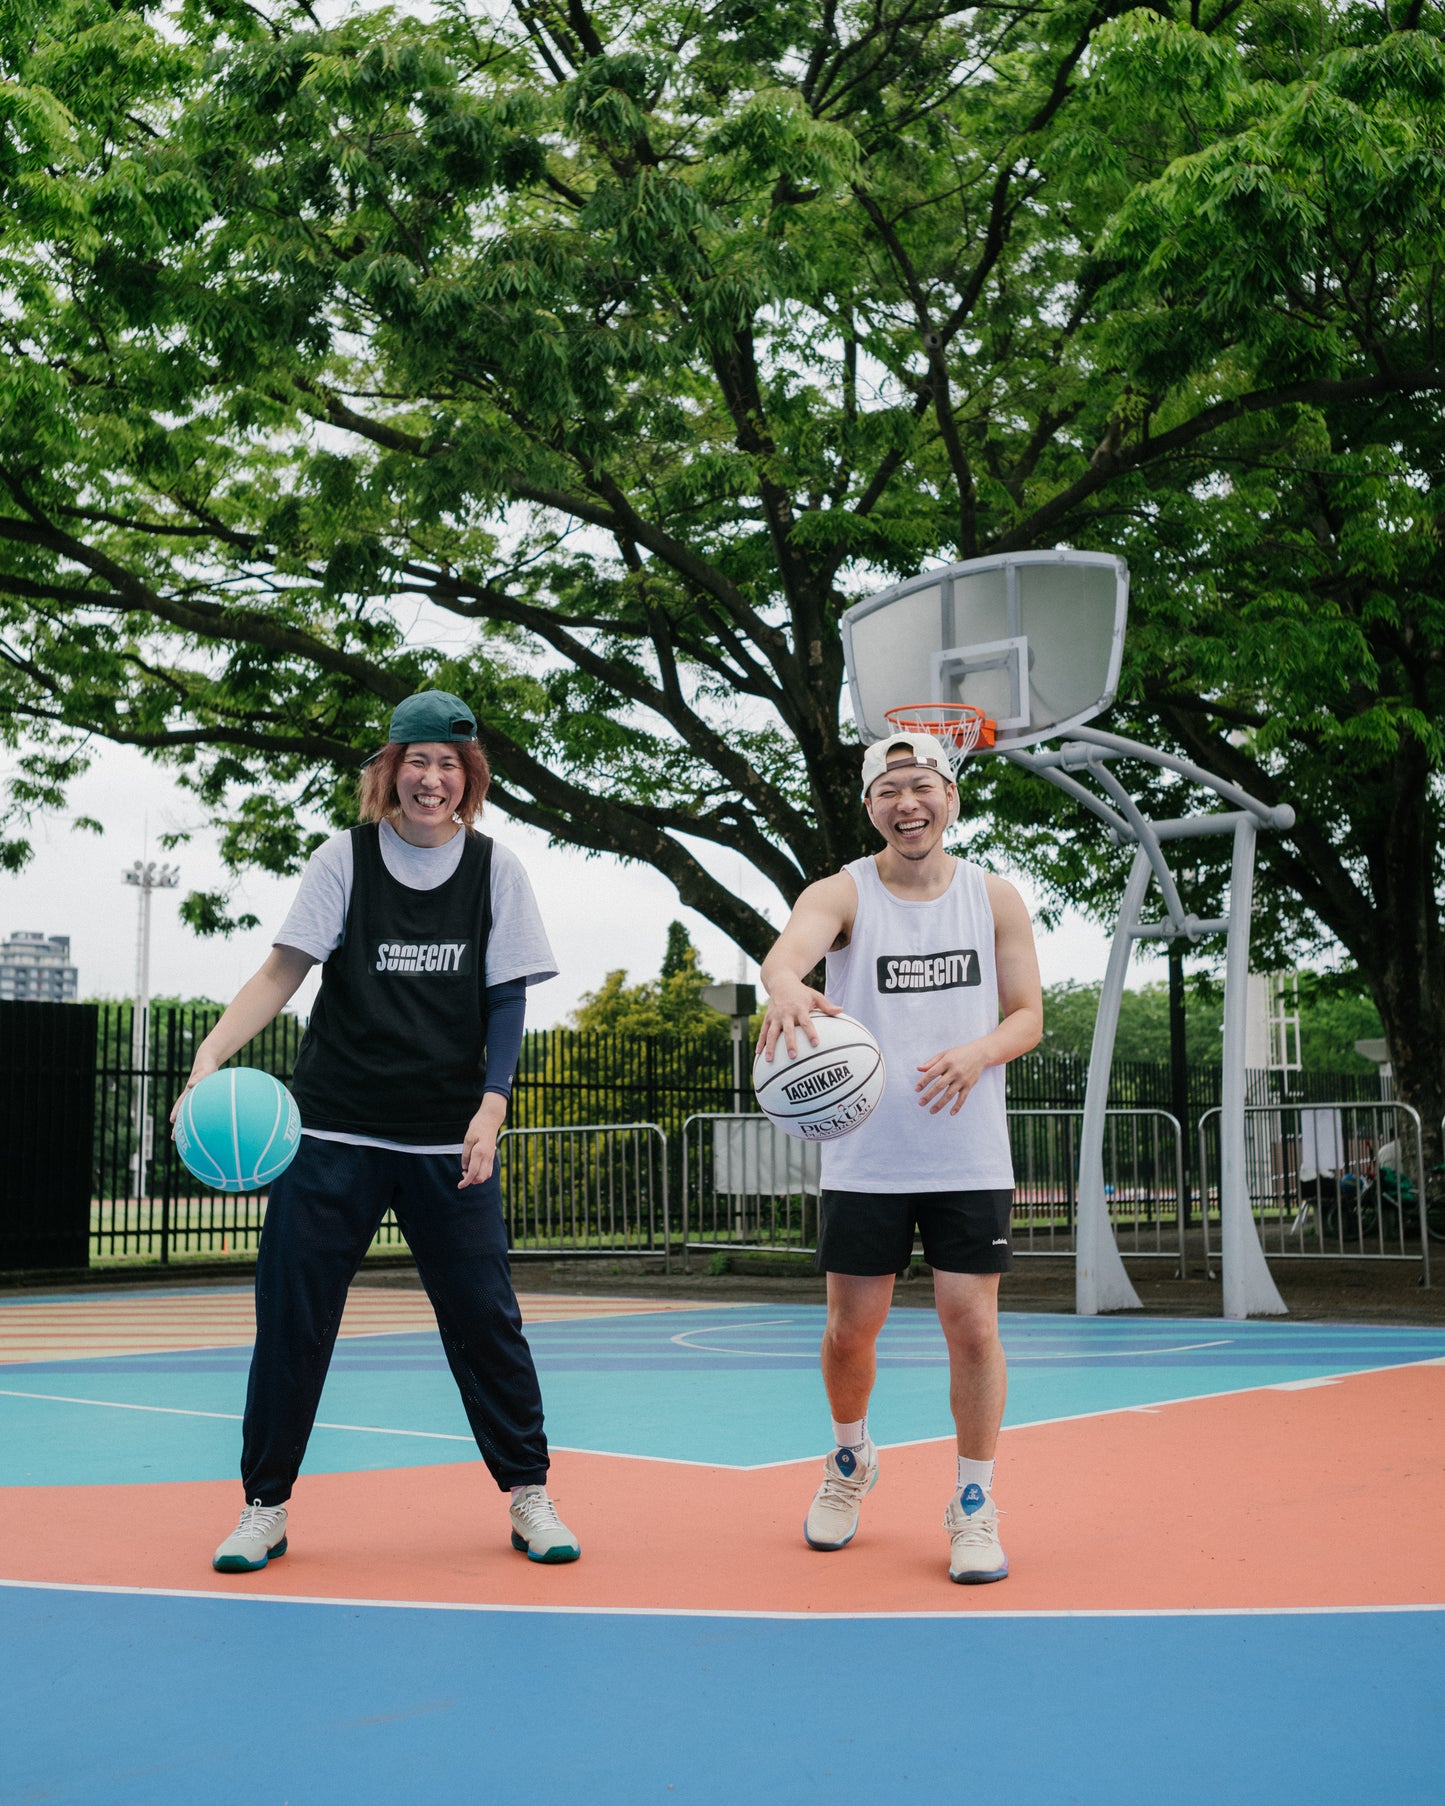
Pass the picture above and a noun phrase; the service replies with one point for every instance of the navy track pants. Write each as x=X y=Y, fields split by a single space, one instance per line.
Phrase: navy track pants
x=321 y=1217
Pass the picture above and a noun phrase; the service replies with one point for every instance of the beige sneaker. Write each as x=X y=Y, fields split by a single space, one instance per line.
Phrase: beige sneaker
x=258 y=1538
x=538 y=1531
x=972 y=1525
x=832 y=1519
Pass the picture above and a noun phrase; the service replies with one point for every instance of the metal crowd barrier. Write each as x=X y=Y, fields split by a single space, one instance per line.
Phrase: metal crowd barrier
x=747 y=1185
x=598 y=1189
x=1315 y=1187
x=1143 y=1182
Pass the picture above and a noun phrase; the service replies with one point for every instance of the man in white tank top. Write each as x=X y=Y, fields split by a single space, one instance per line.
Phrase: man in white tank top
x=936 y=956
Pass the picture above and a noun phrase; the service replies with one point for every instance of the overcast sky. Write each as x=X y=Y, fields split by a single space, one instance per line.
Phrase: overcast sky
x=600 y=913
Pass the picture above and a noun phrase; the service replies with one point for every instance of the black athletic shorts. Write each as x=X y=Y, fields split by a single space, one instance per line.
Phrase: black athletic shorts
x=870 y=1233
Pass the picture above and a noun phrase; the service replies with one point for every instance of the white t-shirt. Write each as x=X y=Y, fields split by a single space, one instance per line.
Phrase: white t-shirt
x=516 y=948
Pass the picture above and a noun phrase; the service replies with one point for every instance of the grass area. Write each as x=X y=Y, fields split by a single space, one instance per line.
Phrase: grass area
x=127 y=1232
x=131 y=1232
x=140 y=1231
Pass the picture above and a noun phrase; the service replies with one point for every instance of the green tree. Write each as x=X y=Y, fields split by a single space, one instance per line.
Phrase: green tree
x=1335 y=1012
x=590 y=360
x=672 y=1003
x=681 y=955
x=1143 y=1032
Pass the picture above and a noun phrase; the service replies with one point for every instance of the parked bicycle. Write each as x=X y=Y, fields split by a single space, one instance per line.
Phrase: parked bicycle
x=1397 y=1197
x=1344 y=1206
x=1380 y=1205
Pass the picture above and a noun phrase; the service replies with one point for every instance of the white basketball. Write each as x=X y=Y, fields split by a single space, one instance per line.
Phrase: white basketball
x=827 y=1090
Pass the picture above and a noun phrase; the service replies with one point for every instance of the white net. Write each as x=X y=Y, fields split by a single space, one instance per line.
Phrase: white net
x=956 y=726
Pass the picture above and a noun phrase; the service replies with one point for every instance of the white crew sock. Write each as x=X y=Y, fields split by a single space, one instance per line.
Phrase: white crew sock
x=975 y=1473
x=853 y=1436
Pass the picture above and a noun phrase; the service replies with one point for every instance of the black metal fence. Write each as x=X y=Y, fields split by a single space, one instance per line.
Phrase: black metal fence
x=76 y=1078
x=144 y=1203
x=1057 y=1081
x=146 y=1206
x=570 y=1077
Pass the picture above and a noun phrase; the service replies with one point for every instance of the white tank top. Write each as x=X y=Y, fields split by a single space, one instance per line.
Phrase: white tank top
x=922 y=978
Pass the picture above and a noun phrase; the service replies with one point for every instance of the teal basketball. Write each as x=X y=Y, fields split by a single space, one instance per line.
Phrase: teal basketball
x=237 y=1129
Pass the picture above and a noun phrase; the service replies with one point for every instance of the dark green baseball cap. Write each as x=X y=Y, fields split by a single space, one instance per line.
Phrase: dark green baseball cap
x=430 y=716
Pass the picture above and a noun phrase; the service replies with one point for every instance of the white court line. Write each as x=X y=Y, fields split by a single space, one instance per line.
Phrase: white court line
x=944 y=1614
x=113 y=1343
x=1122 y=1354
x=1014 y=1360
x=113 y=1404
x=371 y=1429
x=681 y=1339
x=1044 y=1423
x=755 y=1467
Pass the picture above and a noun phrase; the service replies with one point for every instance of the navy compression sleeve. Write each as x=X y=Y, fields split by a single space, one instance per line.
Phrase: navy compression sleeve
x=506 y=1018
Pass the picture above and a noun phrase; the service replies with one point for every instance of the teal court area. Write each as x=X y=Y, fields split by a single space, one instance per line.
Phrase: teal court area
x=736 y=1388
x=1228 y=1581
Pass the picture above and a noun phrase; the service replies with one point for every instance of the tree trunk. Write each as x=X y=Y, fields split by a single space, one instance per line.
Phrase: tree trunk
x=1410 y=996
x=1410 y=985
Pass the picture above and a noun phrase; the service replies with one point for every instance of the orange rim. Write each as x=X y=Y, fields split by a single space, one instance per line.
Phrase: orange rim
x=958 y=724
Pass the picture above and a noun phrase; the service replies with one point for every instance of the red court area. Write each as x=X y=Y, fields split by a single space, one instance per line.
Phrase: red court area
x=1269 y=1500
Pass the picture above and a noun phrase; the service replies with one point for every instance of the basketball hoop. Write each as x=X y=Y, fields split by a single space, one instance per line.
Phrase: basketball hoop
x=958 y=727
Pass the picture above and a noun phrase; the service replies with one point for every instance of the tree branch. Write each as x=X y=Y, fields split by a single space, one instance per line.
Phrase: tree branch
x=1107 y=463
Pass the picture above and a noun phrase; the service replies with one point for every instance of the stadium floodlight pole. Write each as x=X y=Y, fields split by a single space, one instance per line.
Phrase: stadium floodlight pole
x=146 y=876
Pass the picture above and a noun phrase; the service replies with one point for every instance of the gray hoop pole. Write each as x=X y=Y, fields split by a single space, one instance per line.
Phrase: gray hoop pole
x=1100 y=1282
x=1249 y=1288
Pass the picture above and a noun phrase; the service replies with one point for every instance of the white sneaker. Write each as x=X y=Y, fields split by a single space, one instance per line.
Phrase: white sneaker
x=538 y=1530
x=972 y=1524
x=832 y=1519
x=258 y=1538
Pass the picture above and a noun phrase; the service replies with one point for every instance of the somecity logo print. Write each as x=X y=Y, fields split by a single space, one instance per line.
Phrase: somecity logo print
x=422 y=956
x=928 y=971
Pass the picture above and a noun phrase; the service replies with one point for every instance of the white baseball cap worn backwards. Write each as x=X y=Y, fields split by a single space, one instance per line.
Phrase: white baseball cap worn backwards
x=928 y=755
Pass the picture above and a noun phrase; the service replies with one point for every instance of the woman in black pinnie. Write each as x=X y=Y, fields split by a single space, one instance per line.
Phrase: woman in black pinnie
x=429 y=935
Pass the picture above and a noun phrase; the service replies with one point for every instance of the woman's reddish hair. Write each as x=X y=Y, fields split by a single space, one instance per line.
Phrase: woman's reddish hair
x=376 y=787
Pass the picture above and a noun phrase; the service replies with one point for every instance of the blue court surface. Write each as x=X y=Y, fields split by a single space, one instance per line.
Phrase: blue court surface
x=1228 y=1575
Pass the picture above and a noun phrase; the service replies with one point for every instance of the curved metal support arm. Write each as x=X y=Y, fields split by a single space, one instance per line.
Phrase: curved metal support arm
x=1268 y=815
x=1087 y=750
x=1128 y=824
x=1146 y=837
x=1041 y=767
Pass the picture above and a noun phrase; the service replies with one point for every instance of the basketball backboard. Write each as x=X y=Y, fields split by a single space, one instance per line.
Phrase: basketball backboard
x=1034 y=639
